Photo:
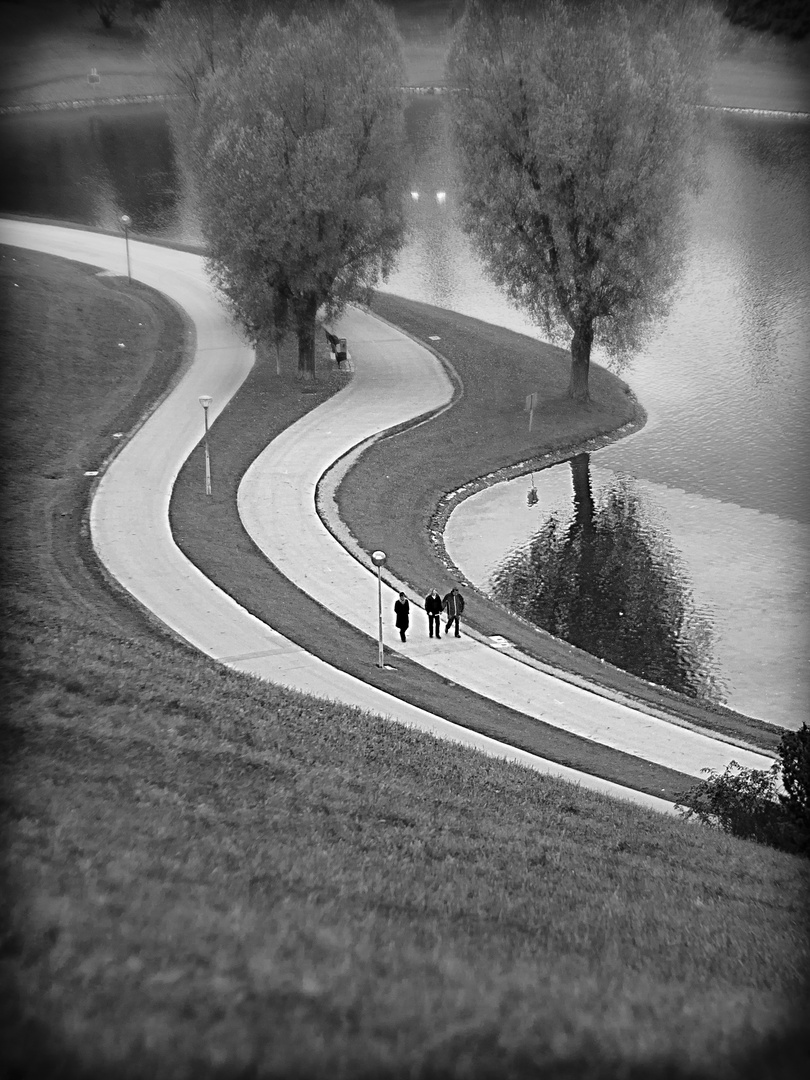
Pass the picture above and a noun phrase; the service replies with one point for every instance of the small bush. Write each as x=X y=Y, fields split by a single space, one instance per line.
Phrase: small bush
x=794 y=750
x=771 y=806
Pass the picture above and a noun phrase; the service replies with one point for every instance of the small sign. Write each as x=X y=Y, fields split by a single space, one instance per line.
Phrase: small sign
x=93 y=77
x=497 y=641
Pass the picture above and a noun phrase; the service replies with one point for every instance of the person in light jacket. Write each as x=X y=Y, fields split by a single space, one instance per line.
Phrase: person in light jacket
x=402 y=610
x=433 y=607
x=453 y=604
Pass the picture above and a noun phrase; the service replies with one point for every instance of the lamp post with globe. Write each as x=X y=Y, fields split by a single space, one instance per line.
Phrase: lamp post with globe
x=126 y=221
x=378 y=558
x=205 y=401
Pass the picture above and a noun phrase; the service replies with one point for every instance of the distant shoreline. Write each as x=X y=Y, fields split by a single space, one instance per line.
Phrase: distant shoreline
x=47 y=65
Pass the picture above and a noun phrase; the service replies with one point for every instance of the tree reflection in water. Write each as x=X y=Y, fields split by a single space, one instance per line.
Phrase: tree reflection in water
x=611 y=584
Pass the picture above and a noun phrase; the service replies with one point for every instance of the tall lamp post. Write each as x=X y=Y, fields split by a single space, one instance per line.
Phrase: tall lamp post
x=126 y=221
x=205 y=401
x=378 y=558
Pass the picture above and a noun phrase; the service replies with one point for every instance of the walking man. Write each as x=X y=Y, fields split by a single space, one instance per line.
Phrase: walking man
x=433 y=607
x=402 y=610
x=453 y=604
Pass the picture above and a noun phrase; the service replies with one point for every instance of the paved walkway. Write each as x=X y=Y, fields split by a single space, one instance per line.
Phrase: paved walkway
x=394 y=379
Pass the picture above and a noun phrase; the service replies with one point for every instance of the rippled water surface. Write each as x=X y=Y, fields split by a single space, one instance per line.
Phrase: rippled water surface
x=716 y=482
x=679 y=583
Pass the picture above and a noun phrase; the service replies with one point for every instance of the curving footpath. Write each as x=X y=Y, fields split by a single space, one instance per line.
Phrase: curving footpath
x=395 y=380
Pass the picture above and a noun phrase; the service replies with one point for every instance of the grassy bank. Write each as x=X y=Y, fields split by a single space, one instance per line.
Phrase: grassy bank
x=206 y=876
x=48 y=49
x=486 y=432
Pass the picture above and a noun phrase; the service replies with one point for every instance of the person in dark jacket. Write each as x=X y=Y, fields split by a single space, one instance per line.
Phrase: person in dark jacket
x=433 y=607
x=453 y=604
x=402 y=610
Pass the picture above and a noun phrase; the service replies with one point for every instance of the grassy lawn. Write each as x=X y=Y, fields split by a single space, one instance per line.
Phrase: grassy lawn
x=48 y=49
x=205 y=876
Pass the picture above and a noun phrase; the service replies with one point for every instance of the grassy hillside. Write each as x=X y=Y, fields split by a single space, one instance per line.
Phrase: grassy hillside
x=207 y=876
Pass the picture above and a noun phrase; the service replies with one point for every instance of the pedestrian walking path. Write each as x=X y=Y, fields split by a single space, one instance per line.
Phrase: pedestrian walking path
x=394 y=378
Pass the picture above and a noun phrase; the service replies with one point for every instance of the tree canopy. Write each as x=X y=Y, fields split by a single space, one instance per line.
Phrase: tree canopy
x=289 y=130
x=299 y=153
x=578 y=140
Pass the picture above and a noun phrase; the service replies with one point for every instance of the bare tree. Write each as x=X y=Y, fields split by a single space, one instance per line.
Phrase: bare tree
x=191 y=40
x=578 y=138
x=298 y=150
x=105 y=9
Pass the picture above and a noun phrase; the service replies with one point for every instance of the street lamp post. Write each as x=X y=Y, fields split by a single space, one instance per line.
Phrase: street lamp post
x=205 y=401
x=126 y=221
x=378 y=558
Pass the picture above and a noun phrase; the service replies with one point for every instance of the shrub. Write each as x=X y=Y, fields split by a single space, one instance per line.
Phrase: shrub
x=771 y=806
x=794 y=750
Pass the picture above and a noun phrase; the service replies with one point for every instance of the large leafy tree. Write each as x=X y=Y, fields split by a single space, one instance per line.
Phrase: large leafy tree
x=298 y=150
x=578 y=139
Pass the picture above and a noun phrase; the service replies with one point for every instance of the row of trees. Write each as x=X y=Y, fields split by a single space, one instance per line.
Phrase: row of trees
x=577 y=135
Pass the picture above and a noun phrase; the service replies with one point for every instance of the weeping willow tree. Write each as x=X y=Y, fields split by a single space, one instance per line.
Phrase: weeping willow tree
x=578 y=141
x=608 y=583
x=294 y=136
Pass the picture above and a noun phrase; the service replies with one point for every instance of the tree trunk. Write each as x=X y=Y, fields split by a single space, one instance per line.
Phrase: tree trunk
x=583 y=496
x=580 y=362
x=306 y=313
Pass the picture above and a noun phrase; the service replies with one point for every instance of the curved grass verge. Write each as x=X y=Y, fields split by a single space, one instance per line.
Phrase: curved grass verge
x=205 y=876
x=388 y=503
x=209 y=531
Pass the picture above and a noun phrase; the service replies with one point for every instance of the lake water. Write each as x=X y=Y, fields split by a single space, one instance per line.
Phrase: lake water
x=717 y=477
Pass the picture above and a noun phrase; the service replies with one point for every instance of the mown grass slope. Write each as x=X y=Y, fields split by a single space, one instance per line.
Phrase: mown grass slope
x=208 y=876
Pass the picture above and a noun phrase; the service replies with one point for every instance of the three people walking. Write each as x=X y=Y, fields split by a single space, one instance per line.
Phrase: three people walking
x=452 y=605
